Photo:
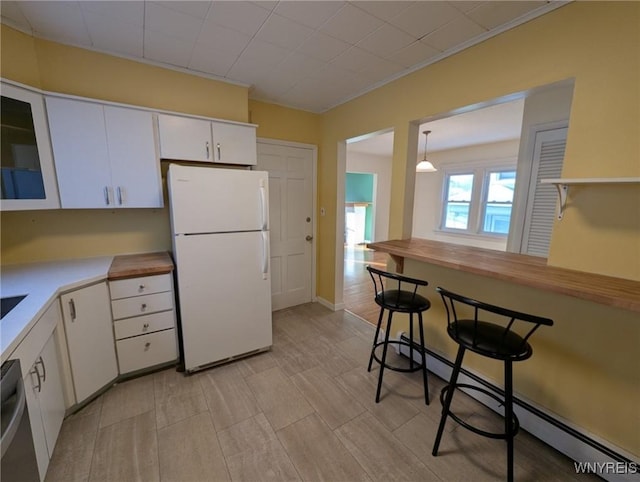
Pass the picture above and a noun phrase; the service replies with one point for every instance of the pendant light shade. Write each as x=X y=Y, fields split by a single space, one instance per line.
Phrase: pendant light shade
x=424 y=165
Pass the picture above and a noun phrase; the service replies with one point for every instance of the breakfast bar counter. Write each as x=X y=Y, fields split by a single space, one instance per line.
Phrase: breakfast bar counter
x=517 y=268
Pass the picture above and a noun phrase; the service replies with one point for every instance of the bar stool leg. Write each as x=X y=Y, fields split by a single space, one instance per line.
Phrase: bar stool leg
x=424 y=360
x=508 y=416
x=375 y=338
x=384 y=355
x=447 y=402
x=411 y=341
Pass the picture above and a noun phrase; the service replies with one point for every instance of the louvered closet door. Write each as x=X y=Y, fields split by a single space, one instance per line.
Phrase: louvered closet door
x=548 y=156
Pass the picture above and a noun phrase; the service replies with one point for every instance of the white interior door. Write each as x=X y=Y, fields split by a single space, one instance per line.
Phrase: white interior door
x=291 y=218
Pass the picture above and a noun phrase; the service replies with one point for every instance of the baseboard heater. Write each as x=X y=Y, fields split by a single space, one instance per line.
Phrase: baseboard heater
x=590 y=454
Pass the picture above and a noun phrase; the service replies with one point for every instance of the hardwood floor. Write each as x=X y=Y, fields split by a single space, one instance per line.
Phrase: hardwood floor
x=303 y=411
x=358 y=287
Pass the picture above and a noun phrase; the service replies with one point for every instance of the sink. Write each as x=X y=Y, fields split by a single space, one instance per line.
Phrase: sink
x=9 y=303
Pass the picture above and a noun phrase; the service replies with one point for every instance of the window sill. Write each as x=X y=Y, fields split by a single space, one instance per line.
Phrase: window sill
x=465 y=234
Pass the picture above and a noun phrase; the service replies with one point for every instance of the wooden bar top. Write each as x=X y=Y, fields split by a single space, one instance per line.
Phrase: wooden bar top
x=517 y=268
x=133 y=265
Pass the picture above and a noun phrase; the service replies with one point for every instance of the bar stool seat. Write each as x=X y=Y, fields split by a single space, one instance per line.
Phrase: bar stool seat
x=492 y=340
x=403 y=299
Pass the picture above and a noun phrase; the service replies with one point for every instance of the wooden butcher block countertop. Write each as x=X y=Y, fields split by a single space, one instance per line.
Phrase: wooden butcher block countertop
x=134 y=265
x=517 y=268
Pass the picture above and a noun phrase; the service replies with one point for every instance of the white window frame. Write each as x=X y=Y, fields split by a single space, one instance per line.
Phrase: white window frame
x=477 y=206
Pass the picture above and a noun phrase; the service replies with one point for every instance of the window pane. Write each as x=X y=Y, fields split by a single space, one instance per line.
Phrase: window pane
x=21 y=177
x=460 y=187
x=501 y=186
x=497 y=212
x=457 y=215
x=458 y=202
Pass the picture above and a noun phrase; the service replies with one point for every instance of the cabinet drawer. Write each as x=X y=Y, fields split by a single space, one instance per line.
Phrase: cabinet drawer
x=145 y=351
x=142 y=325
x=142 y=305
x=144 y=285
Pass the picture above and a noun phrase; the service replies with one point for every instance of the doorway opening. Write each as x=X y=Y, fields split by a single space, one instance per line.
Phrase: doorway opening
x=367 y=199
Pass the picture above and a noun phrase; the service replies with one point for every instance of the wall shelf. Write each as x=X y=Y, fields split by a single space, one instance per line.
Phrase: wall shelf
x=562 y=185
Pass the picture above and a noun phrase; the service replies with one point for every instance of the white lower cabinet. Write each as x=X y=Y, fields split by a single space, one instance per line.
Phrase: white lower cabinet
x=144 y=351
x=43 y=386
x=39 y=361
x=144 y=321
x=87 y=322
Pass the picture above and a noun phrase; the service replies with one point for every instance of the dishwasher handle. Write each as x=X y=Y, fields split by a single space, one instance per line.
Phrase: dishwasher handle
x=15 y=418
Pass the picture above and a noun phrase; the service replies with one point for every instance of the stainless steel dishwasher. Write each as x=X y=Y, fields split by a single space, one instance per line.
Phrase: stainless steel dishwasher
x=19 y=462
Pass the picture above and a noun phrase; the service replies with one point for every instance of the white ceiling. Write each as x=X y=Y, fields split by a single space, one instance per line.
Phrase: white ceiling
x=500 y=122
x=311 y=55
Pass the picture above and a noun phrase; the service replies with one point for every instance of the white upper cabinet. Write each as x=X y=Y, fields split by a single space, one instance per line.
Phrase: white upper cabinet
x=184 y=138
x=28 y=178
x=105 y=156
x=191 y=139
x=235 y=144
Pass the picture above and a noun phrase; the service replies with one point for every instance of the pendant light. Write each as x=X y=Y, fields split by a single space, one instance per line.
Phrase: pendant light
x=424 y=165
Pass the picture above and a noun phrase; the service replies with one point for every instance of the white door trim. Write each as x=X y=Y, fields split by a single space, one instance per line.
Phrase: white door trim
x=314 y=176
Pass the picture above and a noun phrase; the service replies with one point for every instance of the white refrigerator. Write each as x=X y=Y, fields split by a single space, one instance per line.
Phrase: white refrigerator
x=220 y=229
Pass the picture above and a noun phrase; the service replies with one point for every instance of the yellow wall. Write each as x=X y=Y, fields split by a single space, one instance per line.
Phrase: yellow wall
x=59 y=234
x=587 y=362
x=71 y=70
x=18 y=60
x=597 y=43
x=584 y=368
x=282 y=123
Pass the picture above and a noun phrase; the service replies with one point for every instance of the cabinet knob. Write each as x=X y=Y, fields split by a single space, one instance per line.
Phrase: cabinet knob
x=141 y=287
x=143 y=307
x=145 y=327
x=147 y=345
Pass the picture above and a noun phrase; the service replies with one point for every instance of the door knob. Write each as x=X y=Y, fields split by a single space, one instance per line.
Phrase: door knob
x=309 y=237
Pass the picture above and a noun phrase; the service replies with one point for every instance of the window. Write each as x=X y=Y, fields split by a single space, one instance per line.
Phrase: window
x=458 y=201
x=479 y=200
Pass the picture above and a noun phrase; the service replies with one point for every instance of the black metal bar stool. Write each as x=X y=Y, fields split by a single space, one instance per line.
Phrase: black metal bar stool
x=400 y=295
x=493 y=340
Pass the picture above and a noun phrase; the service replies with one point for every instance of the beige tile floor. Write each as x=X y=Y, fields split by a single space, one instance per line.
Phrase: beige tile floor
x=303 y=411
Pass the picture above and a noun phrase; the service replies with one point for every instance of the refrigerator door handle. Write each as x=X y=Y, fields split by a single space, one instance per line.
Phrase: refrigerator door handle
x=263 y=205
x=265 y=254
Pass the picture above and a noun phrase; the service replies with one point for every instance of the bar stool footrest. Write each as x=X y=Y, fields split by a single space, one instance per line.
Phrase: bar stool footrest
x=468 y=426
x=417 y=365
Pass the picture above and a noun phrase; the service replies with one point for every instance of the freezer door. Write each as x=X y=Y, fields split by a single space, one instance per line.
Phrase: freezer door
x=225 y=295
x=214 y=200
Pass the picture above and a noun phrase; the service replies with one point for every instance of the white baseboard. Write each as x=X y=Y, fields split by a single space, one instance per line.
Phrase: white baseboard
x=328 y=304
x=606 y=460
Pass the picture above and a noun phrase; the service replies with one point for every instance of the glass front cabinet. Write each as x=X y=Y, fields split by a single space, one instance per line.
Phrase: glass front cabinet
x=28 y=178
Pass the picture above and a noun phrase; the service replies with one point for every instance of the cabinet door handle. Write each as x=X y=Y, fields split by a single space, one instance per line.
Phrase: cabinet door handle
x=107 y=201
x=207 y=145
x=44 y=369
x=37 y=373
x=72 y=309
x=219 y=156
x=119 y=190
